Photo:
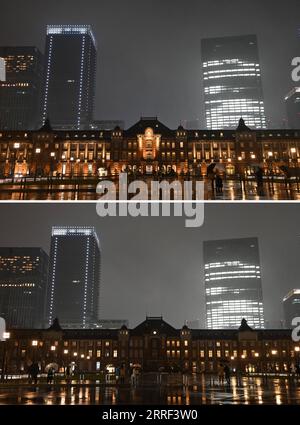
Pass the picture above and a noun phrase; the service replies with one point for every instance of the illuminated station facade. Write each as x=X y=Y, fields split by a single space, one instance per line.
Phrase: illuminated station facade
x=153 y=345
x=148 y=147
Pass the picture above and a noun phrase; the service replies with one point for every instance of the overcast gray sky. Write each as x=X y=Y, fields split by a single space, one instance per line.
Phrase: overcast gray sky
x=154 y=265
x=149 y=57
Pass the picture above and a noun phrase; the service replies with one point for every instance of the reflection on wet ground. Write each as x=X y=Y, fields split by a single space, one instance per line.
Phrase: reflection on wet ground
x=232 y=190
x=249 y=391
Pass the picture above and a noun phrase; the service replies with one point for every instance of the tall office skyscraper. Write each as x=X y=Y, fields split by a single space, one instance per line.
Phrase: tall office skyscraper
x=291 y=306
x=23 y=283
x=292 y=102
x=232 y=82
x=70 y=76
x=74 y=276
x=233 y=288
x=20 y=93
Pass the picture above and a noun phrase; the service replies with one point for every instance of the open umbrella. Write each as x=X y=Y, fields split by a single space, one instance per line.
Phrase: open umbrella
x=52 y=366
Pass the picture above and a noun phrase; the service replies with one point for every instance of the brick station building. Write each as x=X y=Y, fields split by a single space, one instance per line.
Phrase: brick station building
x=149 y=147
x=153 y=345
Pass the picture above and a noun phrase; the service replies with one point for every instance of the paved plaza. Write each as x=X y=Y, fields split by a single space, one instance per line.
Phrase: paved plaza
x=251 y=390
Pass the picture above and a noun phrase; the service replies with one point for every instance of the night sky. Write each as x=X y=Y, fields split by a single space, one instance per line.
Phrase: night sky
x=149 y=57
x=154 y=265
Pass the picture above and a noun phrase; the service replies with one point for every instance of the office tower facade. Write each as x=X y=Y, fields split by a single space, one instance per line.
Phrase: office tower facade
x=233 y=289
x=232 y=82
x=291 y=306
x=292 y=103
x=23 y=283
x=20 y=93
x=74 y=277
x=70 y=74
x=2 y=70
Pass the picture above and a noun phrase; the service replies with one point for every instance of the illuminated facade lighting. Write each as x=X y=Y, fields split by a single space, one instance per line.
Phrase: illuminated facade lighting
x=76 y=74
x=74 y=291
x=232 y=82
x=233 y=283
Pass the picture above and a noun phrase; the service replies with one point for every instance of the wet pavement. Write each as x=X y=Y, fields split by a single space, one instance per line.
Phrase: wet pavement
x=249 y=391
x=232 y=190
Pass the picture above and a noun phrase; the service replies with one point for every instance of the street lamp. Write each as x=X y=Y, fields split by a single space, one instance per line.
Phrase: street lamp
x=6 y=336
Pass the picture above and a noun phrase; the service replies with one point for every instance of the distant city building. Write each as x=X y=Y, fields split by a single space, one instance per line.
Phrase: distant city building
x=99 y=324
x=23 y=283
x=2 y=70
x=291 y=306
x=233 y=288
x=107 y=124
x=232 y=82
x=192 y=124
x=292 y=102
x=20 y=92
x=74 y=276
x=70 y=76
x=193 y=324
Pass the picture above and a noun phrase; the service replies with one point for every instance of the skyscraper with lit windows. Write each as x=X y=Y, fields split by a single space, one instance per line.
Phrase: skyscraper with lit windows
x=74 y=276
x=23 y=283
x=233 y=288
x=70 y=75
x=232 y=82
x=21 y=88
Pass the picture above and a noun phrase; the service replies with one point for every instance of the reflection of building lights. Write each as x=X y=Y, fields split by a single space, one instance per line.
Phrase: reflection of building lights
x=53 y=347
x=34 y=343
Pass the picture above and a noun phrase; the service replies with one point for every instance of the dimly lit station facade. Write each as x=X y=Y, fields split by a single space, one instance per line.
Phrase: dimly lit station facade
x=153 y=345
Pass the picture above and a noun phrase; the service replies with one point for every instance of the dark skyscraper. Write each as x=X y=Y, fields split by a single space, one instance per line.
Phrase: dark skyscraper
x=292 y=101
x=69 y=76
x=291 y=306
x=74 y=276
x=232 y=82
x=233 y=288
x=20 y=93
x=23 y=283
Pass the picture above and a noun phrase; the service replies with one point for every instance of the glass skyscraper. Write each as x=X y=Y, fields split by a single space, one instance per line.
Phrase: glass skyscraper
x=232 y=82
x=20 y=91
x=74 y=276
x=291 y=306
x=233 y=289
x=23 y=283
x=70 y=76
